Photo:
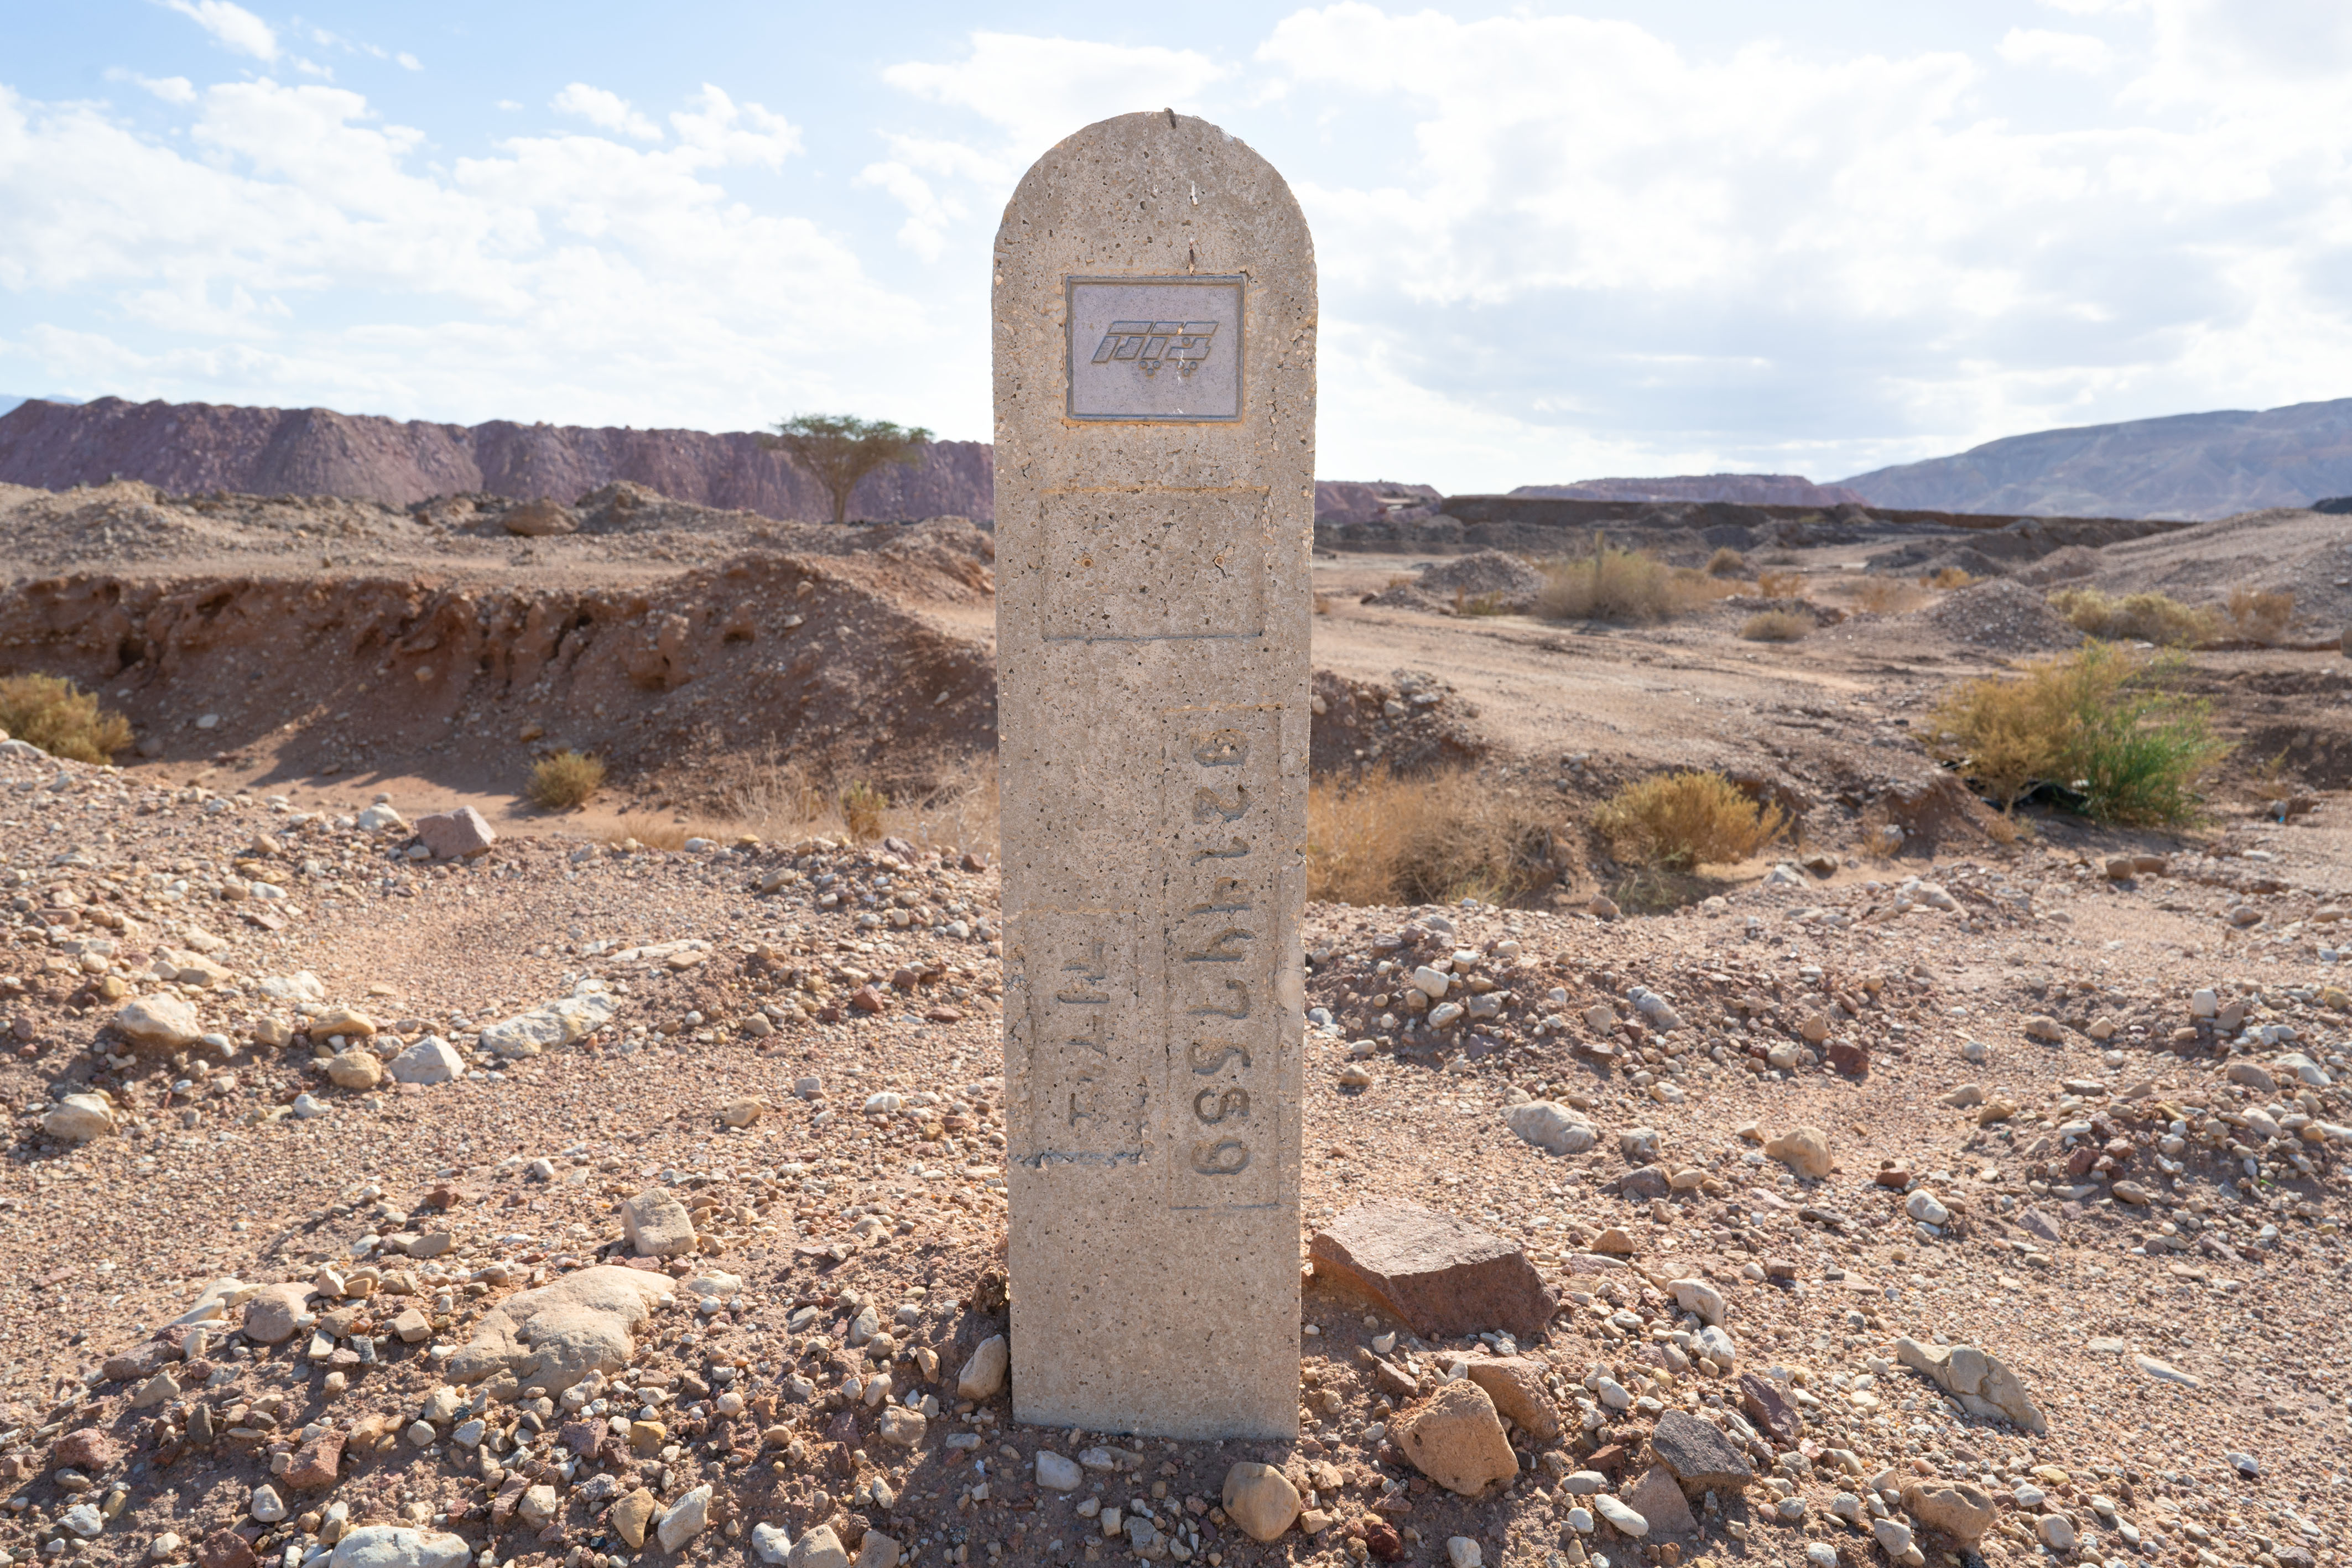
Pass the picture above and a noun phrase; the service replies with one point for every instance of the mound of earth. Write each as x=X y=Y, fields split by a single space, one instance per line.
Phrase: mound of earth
x=1416 y=726
x=1486 y=581
x=2285 y=550
x=816 y=658
x=2002 y=617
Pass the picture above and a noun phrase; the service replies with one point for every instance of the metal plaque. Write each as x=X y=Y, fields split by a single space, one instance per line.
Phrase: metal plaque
x=1156 y=349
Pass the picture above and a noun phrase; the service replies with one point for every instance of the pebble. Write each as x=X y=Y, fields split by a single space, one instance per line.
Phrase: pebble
x=1624 y=1520
x=1821 y=1554
x=266 y=1505
x=1461 y=1552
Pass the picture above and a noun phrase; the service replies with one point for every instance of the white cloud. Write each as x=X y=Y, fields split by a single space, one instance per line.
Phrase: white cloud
x=2059 y=51
x=1038 y=90
x=170 y=90
x=407 y=61
x=608 y=110
x=927 y=215
x=234 y=26
x=304 y=249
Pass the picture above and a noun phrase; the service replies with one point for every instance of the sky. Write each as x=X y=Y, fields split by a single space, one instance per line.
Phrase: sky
x=1555 y=241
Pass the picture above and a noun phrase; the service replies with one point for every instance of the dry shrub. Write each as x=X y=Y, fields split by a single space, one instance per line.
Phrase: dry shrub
x=565 y=781
x=58 y=716
x=2260 y=615
x=1726 y=563
x=862 y=809
x=1683 y=819
x=2156 y=618
x=1322 y=604
x=1780 y=584
x=1776 y=626
x=1622 y=585
x=1435 y=839
x=779 y=802
x=1610 y=584
x=1884 y=595
x=1949 y=577
x=2099 y=724
x=1466 y=603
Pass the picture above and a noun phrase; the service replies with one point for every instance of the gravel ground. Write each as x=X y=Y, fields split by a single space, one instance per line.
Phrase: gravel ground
x=2138 y=1211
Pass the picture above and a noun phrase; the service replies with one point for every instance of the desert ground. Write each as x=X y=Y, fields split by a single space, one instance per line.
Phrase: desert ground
x=631 y=1189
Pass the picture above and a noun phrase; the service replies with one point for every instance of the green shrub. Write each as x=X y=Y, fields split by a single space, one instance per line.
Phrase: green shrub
x=1683 y=819
x=52 y=713
x=565 y=780
x=2099 y=723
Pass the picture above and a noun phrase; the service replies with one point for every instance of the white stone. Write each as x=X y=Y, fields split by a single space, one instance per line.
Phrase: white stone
x=1056 y=1473
x=266 y=1505
x=84 y=1520
x=431 y=1060
x=1698 y=1296
x=549 y=1026
x=393 y=1546
x=1153 y=617
x=1922 y=1207
x=771 y=1544
x=1623 y=1518
x=1551 y=1127
x=1461 y=1552
x=687 y=1517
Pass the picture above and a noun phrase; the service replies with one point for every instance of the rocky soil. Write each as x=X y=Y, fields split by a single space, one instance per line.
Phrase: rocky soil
x=385 y=1191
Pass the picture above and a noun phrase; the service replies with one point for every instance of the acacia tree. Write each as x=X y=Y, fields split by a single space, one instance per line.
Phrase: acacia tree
x=841 y=449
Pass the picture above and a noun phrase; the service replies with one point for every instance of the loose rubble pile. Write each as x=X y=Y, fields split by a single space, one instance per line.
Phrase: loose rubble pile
x=391 y=1194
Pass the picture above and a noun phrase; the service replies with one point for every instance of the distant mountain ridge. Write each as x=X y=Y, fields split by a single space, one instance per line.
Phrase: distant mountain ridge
x=1749 y=490
x=2187 y=466
x=190 y=447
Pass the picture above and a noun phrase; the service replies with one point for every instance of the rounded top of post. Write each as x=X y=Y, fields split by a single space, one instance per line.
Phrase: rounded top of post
x=1147 y=186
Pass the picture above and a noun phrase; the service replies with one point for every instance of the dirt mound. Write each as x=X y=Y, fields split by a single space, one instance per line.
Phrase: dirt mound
x=2002 y=617
x=2285 y=550
x=187 y=447
x=1483 y=582
x=809 y=659
x=2071 y=564
x=623 y=527
x=1416 y=726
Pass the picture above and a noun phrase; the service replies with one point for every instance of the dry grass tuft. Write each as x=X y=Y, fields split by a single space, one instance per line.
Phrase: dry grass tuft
x=2261 y=616
x=1436 y=839
x=58 y=716
x=1777 y=626
x=2156 y=618
x=1949 y=577
x=862 y=811
x=660 y=833
x=1726 y=563
x=1683 y=819
x=1884 y=595
x=1780 y=584
x=565 y=781
x=1622 y=585
x=2100 y=725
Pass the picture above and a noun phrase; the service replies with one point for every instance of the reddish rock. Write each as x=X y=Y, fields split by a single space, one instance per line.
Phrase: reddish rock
x=140 y=1364
x=1380 y=1538
x=1442 y=1276
x=942 y=1015
x=315 y=1462
x=1769 y=1409
x=224 y=1549
x=87 y=1449
x=1850 y=1057
x=1897 y=1177
x=866 y=999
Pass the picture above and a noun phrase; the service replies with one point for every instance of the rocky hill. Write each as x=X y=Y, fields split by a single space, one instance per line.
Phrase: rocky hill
x=187 y=448
x=2192 y=465
x=1749 y=489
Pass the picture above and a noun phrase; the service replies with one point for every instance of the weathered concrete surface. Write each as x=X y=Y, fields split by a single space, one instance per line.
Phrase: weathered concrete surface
x=1152 y=625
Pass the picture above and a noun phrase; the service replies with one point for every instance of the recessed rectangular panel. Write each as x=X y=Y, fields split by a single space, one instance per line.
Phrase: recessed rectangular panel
x=1140 y=566
x=1075 y=1014
x=1162 y=350
x=1222 y=851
